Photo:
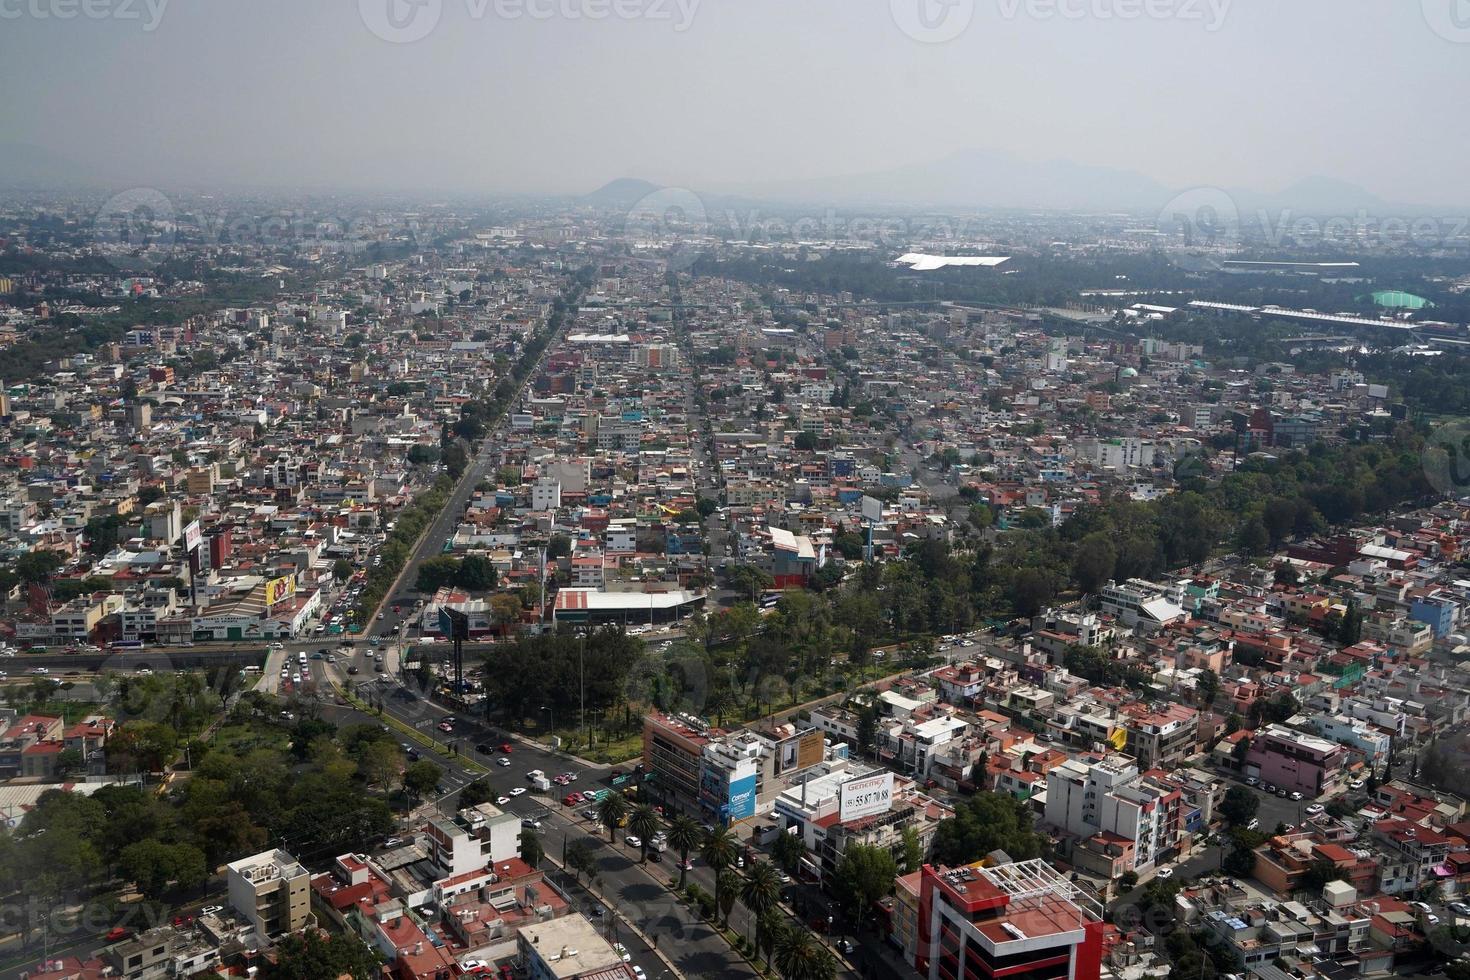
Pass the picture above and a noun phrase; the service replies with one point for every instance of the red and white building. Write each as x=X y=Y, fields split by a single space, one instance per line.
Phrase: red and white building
x=1025 y=921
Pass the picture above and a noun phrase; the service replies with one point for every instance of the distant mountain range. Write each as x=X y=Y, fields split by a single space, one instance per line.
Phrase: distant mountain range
x=992 y=179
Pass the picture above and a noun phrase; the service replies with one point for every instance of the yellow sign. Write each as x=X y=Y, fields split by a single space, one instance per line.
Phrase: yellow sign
x=279 y=589
x=1119 y=738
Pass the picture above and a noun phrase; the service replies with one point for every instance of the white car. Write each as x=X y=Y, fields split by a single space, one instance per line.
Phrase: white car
x=502 y=800
x=502 y=761
x=518 y=791
x=1356 y=784
x=633 y=841
x=1315 y=809
x=212 y=910
x=1165 y=873
x=622 y=952
x=638 y=972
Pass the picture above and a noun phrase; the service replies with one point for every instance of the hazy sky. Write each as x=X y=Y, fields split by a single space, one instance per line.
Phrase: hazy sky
x=711 y=93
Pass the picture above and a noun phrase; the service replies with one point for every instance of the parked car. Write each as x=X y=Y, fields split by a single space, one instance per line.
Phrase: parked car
x=1315 y=809
x=1165 y=873
x=1296 y=796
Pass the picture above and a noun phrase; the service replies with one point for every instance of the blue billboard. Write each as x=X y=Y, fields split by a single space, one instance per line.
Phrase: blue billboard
x=741 y=802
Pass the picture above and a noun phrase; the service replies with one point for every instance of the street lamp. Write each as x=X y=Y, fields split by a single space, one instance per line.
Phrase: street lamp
x=552 y=713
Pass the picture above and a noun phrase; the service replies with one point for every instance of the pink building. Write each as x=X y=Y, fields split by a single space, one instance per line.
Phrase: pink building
x=1295 y=761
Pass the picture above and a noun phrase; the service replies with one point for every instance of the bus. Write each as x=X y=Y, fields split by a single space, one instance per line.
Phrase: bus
x=118 y=645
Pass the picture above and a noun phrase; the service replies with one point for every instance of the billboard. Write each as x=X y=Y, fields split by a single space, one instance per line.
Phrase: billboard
x=279 y=589
x=866 y=796
x=193 y=536
x=742 y=799
x=800 y=752
x=872 y=509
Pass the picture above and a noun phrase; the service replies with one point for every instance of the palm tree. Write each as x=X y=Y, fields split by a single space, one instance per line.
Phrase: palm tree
x=643 y=824
x=824 y=965
x=684 y=835
x=611 y=810
x=718 y=851
x=761 y=893
x=727 y=887
x=796 y=954
x=769 y=929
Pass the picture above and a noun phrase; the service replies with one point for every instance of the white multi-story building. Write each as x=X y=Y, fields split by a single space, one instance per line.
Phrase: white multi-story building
x=1110 y=798
x=546 y=494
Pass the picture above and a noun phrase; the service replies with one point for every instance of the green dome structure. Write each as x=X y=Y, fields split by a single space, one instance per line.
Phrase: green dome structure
x=1397 y=299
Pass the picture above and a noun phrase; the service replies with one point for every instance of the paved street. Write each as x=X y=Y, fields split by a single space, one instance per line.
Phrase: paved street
x=635 y=892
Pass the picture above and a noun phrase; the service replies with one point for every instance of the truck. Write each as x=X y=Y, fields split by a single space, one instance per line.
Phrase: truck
x=538 y=780
x=659 y=842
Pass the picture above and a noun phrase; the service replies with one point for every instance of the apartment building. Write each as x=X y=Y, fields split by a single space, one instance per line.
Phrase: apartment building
x=1115 y=820
x=1023 y=920
x=1295 y=761
x=271 y=891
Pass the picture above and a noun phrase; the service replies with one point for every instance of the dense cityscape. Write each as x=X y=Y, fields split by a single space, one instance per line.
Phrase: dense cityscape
x=996 y=568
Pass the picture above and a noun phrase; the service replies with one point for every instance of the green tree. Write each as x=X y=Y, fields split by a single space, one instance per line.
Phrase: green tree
x=1209 y=686
x=1253 y=538
x=913 y=851
x=380 y=762
x=153 y=865
x=1239 y=806
x=611 y=810
x=983 y=823
x=727 y=889
x=37 y=566
x=342 y=570
x=532 y=850
x=312 y=955
x=420 y=778
x=864 y=875
x=1093 y=563
x=719 y=851
x=643 y=824
x=760 y=893
x=684 y=836
x=787 y=851
x=797 y=954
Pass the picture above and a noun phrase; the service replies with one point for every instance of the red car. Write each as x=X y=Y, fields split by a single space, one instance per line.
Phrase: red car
x=118 y=933
x=505 y=747
x=571 y=799
x=505 y=973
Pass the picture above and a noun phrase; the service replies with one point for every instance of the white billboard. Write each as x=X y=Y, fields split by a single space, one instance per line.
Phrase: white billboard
x=193 y=537
x=872 y=509
x=866 y=796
